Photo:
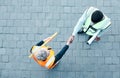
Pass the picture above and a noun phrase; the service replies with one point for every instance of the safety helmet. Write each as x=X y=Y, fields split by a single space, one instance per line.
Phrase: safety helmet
x=97 y=16
x=42 y=54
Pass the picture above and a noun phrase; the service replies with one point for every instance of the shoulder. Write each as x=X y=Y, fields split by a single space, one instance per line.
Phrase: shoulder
x=34 y=48
x=90 y=10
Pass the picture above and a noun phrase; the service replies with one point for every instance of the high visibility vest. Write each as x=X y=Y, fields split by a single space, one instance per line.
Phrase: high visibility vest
x=98 y=26
x=91 y=30
x=49 y=62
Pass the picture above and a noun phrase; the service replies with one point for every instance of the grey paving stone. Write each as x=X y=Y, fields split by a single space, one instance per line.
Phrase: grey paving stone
x=116 y=60
x=100 y=2
x=76 y=10
x=117 y=38
x=91 y=53
x=105 y=75
x=116 y=74
x=4 y=16
x=0 y=43
x=2 y=66
x=79 y=75
x=3 y=23
x=4 y=74
x=19 y=30
x=100 y=60
x=37 y=74
x=68 y=74
x=23 y=23
x=5 y=58
x=116 y=45
x=98 y=53
x=113 y=68
x=64 y=2
x=107 y=3
x=19 y=16
x=25 y=74
x=46 y=9
x=14 y=73
x=108 y=60
x=10 y=44
x=10 y=23
x=71 y=3
x=89 y=3
x=111 y=38
x=67 y=9
x=107 y=10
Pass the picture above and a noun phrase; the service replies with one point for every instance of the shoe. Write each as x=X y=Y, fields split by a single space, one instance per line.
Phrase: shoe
x=89 y=37
x=97 y=38
x=80 y=32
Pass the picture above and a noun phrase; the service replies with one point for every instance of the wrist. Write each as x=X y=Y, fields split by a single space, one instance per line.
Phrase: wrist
x=44 y=40
x=67 y=43
x=73 y=35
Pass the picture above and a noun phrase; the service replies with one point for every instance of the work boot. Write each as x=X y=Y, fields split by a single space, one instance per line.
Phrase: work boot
x=97 y=38
x=80 y=32
x=89 y=37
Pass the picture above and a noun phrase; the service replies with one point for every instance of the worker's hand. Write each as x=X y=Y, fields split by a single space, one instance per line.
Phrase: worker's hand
x=70 y=40
x=97 y=38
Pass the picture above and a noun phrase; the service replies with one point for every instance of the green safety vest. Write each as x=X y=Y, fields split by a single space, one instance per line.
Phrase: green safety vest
x=91 y=30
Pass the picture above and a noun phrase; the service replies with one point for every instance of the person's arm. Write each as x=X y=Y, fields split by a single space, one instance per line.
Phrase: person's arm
x=80 y=23
x=40 y=43
x=63 y=50
x=61 y=53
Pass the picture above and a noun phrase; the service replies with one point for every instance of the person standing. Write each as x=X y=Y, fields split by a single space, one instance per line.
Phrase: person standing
x=92 y=21
x=44 y=55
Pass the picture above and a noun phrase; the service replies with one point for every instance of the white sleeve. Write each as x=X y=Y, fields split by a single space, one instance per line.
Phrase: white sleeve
x=80 y=23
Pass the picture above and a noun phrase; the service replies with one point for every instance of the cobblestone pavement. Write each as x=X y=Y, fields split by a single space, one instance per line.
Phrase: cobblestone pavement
x=23 y=23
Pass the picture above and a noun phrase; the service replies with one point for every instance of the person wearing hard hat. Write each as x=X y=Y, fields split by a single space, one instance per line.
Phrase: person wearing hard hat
x=45 y=56
x=90 y=22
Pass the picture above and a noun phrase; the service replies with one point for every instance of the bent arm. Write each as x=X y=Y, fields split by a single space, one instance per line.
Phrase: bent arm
x=80 y=23
x=40 y=43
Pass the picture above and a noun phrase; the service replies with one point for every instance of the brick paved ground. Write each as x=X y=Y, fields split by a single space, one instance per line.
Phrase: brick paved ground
x=25 y=22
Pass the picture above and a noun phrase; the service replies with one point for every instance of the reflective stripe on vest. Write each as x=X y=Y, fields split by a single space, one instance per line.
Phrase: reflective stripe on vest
x=48 y=63
x=86 y=28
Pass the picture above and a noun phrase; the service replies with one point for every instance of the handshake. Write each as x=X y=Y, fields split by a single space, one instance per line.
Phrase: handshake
x=70 y=40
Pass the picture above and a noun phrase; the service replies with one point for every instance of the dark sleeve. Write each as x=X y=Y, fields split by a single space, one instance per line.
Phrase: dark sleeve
x=61 y=53
x=40 y=43
x=64 y=49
